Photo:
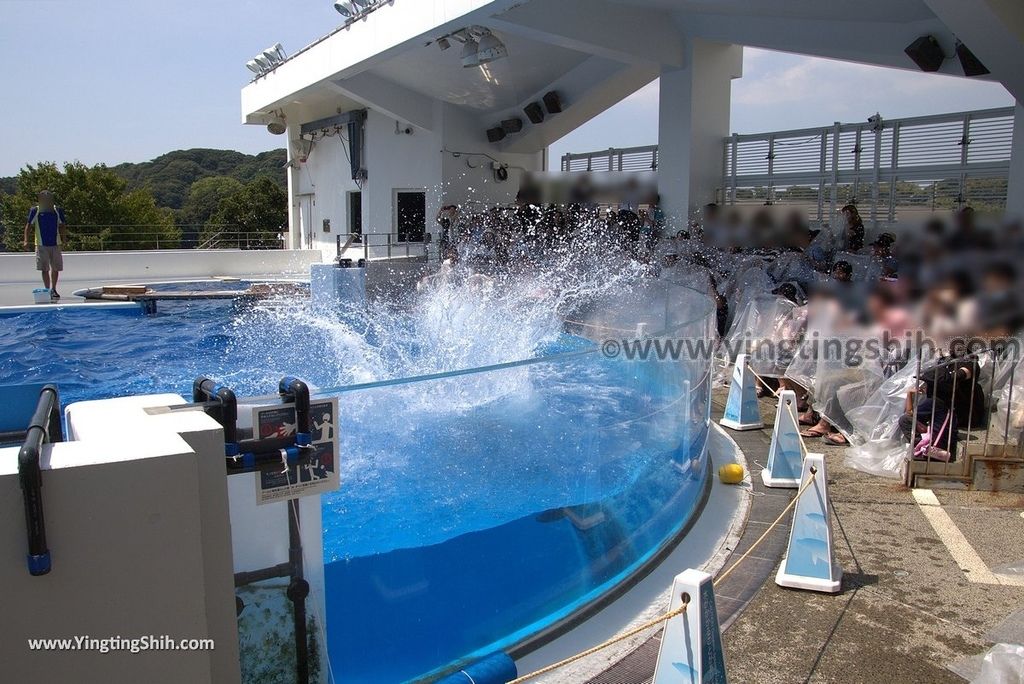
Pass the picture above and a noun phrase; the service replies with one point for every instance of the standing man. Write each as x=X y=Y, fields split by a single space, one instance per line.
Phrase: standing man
x=48 y=222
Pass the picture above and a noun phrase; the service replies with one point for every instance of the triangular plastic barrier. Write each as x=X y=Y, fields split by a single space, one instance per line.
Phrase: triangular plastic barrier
x=785 y=455
x=809 y=560
x=691 y=645
x=742 y=411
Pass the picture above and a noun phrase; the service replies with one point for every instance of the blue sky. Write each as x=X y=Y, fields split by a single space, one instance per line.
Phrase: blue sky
x=127 y=80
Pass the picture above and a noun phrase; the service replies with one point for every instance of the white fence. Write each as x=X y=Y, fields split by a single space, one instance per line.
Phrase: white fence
x=893 y=170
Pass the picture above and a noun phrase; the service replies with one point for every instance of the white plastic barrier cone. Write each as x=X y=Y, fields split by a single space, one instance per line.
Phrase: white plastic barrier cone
x=741 y=409
x=691 y=645
x=809 y=560
x=786 y=451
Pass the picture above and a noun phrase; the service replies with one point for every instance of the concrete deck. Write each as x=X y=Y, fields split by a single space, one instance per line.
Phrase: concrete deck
x=907 y=608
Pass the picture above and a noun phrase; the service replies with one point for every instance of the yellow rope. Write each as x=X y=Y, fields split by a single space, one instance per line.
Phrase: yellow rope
x=771 y=527
x=669 y=615
x=605 y=644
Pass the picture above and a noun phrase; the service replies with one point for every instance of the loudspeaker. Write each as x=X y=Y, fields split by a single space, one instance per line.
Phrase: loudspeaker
x=552 y=102
x=534 y=112
x=495 y=134
x=926 y=53
x=971 y=64
x=512 y=125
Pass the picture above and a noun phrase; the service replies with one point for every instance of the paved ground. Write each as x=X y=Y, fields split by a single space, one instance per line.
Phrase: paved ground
x=906 y=609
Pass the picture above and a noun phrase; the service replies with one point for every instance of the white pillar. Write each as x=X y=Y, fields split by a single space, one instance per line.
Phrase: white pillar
x=1015 y=188
x=693 y=122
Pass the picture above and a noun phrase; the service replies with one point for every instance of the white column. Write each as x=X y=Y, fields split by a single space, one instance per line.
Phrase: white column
x=692 y=126
x=1015 y=188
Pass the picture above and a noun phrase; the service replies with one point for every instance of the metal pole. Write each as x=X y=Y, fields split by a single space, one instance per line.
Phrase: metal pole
x=298 y=589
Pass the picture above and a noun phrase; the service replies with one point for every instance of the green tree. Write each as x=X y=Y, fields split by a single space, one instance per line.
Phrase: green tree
x=100 y=211
x=204 y=198
x=258 y=214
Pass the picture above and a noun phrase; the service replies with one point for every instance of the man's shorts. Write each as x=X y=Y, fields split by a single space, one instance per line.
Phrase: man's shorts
x=49 y=258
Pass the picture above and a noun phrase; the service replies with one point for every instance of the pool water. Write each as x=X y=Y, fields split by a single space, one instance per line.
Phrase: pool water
x=475 y=509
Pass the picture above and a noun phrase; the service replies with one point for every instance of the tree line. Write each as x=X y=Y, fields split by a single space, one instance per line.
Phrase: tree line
x=184 y=199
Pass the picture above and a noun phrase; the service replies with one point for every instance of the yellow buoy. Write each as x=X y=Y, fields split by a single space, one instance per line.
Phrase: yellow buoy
x=731 y=473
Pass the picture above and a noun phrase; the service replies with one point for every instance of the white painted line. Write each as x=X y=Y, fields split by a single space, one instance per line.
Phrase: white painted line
x=960 y=549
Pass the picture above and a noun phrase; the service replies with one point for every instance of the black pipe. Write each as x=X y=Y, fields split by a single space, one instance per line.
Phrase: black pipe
x=297 y=392
x=298 y=590
x=273 y=572
x=225 y=412
x=44 y=426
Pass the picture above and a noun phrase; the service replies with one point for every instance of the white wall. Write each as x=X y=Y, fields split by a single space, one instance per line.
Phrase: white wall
x=153 y=265
x=137 y=524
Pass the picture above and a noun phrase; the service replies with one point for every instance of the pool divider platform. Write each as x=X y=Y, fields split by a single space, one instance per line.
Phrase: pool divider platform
x=147 y=297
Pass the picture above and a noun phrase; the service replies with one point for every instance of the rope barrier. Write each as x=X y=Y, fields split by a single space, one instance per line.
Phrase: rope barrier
x=775 y=393
x=771 y=527
x=672 y=613
x=605 y=644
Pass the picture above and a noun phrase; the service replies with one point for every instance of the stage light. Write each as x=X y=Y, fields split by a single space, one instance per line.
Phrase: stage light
x=495 y=134
x=253 y=66
x=346 y=9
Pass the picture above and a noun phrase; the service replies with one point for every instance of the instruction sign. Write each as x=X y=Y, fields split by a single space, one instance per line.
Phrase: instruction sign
x=320 y=473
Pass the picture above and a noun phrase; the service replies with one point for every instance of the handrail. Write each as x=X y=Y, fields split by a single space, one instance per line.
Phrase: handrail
x=43 y=427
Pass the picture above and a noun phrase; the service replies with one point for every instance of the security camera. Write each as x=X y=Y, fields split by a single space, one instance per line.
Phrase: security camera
x=876 y=121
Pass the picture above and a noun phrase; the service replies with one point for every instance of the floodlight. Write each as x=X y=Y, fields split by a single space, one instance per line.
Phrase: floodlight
x=443 y=43
x=346 y=9
x=490 y=48
x=253 y=66
x=362 y=4
x=469 y=54
x=271 y=56
x=263 y=62
x=279 y=51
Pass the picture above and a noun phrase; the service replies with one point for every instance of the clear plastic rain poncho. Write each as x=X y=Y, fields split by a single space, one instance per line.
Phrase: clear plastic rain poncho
x=768 y=329
x=1007 y=384
x=795 y=267
x=877 y=446
x=749 y=280
x=836 y=357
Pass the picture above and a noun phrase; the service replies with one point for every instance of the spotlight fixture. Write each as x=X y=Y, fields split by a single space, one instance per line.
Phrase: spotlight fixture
x=264 y=63
x=513 y=125
x=534 y=112
x=443 y=43
x=495 y=134
x=346 y=9
x=253 y=66
x=490 y=48
x=470 y=54
x=926 y=53
x=971 y=64
x=276 y=127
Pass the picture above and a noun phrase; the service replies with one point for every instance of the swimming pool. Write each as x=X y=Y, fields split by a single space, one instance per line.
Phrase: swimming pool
x=478 y=511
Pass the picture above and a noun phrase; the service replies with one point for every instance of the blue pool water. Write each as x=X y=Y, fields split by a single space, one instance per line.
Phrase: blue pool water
x=475 y=510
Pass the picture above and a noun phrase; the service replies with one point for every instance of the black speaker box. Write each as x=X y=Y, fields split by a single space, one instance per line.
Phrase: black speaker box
x=971 y=64
x=513 y=125
x=553 y=102
x=926 y=53
x=534 y=112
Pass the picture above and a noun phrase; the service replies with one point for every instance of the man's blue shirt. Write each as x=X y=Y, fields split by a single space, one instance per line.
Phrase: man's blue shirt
x=48 y=224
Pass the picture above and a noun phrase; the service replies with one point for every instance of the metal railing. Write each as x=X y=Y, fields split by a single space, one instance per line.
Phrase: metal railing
x=613 y=159
x=105 y=238
x=991 y=406
x=890 y=169
x=893 y=170
x=382 y=246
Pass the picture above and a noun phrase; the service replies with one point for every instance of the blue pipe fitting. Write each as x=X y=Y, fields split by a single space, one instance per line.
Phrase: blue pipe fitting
x=39 y=564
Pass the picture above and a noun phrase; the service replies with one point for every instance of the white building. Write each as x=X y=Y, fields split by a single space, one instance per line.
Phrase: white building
x=424 y=142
